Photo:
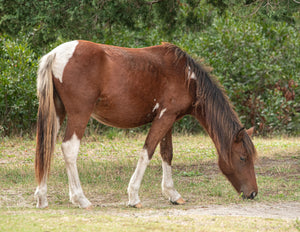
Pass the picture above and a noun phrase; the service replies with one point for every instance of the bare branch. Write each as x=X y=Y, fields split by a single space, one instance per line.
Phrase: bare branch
x=153 y=2
x=256 y=10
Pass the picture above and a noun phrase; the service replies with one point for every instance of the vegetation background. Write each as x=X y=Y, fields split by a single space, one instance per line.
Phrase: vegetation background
x=253 y=47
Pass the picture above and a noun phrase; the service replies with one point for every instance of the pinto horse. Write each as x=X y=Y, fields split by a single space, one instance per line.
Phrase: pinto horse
x=128 y=87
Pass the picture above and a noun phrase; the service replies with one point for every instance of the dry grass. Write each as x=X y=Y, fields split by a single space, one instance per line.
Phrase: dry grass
x=106 y=164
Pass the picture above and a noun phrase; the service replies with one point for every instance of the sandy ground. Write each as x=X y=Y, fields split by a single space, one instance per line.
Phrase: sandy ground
x=285 y=210
x=282 y=210
x=289 y=211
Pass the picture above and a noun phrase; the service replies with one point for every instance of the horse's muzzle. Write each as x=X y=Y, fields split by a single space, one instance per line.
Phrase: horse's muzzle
x=251 y=196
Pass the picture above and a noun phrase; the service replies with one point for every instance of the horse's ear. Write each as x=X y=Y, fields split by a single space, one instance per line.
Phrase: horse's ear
x=250 y=131
x=240 y=135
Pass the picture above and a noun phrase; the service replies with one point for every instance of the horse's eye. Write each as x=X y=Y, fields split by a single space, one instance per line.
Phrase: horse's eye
x=242 y=158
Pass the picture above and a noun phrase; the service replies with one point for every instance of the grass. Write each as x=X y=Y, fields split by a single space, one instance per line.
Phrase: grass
x=70 y=220
x=106 y=164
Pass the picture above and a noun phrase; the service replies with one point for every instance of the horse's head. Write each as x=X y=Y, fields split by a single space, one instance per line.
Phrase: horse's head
x=240 y=169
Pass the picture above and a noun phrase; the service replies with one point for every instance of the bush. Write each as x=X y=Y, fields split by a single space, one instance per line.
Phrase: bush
x=259 y=67
x=18 y=101
x=256 y=58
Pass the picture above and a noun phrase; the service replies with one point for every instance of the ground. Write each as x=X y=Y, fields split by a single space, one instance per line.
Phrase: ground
x=105 y=166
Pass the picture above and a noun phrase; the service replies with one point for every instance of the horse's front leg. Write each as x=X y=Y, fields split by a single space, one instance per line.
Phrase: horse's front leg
x=167 y=184
x=136 y=179
x=158 y=129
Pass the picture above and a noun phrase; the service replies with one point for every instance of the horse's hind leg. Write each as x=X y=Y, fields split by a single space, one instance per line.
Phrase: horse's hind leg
x=75 y=128
x=41 y=190
x=167 y=185
x=41 y=194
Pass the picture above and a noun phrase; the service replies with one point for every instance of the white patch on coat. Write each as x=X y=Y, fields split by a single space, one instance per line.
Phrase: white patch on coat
x=136 y=179
x=155 y=107
x=162 y=112
x=63 y=53
x=167 y=184
x=191 y=75
x=70 y=149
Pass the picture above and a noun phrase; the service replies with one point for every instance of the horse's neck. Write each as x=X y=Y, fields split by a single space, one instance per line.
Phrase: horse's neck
x=201 y=118
x=220 y=125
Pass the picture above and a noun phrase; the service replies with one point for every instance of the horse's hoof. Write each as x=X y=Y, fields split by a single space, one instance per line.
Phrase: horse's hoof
x=137 y=206
x=180 y=201
x=89 y=208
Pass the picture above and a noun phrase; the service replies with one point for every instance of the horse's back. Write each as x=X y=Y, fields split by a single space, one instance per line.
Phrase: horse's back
x=124 y=87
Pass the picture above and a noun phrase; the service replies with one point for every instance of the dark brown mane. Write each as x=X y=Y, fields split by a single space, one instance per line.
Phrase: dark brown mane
x=213 y=106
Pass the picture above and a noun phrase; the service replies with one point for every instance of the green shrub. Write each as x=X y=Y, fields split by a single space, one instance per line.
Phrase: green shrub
x=256 y=58
x=18 y=101
x=259 y=66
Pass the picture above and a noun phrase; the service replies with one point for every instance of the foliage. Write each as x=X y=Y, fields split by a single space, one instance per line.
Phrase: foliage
x=44 y=21
x=253 y=46
x=18 y=104
x=266 y=10
x=258 y=65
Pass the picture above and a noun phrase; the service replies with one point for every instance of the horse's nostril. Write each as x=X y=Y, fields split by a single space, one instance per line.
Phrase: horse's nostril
x=251 y=196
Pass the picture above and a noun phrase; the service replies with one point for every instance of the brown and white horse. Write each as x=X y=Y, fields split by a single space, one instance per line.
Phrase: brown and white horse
x=125 y=88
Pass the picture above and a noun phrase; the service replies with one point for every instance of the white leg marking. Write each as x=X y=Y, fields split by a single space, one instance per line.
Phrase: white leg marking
x=155 y=107
x=136 y=179
x=162 y=112
x=167 y=184
x=41 y=194
x=62 y=55
x=70 y=149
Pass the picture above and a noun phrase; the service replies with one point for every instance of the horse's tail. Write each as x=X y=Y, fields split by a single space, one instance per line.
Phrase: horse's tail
x=46 y=122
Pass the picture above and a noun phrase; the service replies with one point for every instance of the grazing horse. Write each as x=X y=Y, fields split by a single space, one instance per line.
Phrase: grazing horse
x=128 y=87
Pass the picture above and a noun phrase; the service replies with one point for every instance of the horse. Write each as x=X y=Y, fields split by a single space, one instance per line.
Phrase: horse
x=126 y=88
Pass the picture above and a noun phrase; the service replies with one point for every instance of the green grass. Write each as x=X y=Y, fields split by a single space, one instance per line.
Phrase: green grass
x=105 y=166
x=72 y=220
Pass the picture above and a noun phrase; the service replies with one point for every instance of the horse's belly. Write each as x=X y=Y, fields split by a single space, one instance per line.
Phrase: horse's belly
x=122 y=116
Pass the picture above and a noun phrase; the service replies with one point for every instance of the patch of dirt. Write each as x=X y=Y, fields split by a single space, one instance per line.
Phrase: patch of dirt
x=283 y=210
x=289 y=211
